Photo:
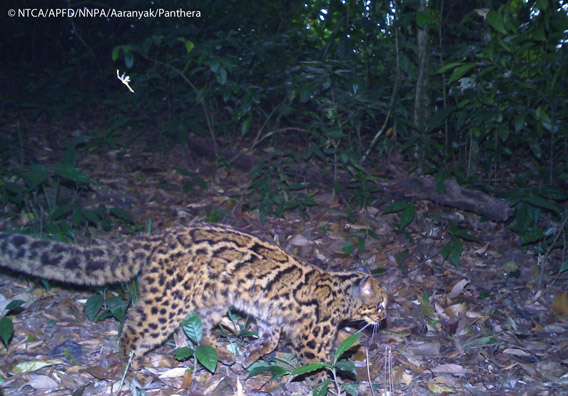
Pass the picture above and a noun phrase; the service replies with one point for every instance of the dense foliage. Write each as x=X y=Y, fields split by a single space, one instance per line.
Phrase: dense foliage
x=474 y=89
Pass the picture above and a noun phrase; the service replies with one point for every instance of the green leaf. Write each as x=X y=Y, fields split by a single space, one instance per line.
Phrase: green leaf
x=346 y=365
x=348 y=247
x=116 y=53
x=308 y=368
x=278 y=371
x=397 y=207
x=532 y=236
x=122 y=215
x=246 y=125
x=207 y=356
x=192 y=327
x=189 y=46
x=401 y=258
x=345 y=345
x=93 y=306
x=543 y=203
x=321 y=389
x=437 y=119
x=34 y=365
x=351 y=389
x=183 y=353
x=424 y=19
x=465 y=236
x=36 y=176
x=449 y=66
x=406 y=217
x=6 y=330
x=71 y=173
x=456 y=251
x=14 y=304
x=564 y=267
x=257 y=368
x=459 y=72
x=496 y=21
x=91 y=215
x=222 y=76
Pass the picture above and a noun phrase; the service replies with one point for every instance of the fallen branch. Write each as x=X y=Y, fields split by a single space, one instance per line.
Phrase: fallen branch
x=415 y=188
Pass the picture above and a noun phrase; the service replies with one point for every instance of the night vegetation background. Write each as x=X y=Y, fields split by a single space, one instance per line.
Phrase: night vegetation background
x=295 y=99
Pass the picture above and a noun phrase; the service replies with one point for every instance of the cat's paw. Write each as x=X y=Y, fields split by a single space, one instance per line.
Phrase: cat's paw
x=225 y=357
x=251 y=354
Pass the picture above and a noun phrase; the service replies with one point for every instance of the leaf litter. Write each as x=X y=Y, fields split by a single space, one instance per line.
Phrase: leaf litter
x=470 y=329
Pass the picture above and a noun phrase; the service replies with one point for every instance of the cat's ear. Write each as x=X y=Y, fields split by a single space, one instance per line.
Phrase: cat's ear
x=365 y=289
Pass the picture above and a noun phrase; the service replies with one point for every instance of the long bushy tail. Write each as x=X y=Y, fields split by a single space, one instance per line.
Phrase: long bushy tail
x=83 y=265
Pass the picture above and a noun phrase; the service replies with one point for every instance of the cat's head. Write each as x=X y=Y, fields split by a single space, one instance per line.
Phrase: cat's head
x=371 y=299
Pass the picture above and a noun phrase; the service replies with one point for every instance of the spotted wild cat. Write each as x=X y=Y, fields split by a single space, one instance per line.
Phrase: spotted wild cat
x=207 y=269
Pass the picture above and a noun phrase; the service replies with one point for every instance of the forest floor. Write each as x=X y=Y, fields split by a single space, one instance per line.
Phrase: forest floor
x=483 y=327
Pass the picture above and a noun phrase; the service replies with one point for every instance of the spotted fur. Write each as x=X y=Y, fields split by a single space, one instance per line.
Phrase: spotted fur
x=207 y=269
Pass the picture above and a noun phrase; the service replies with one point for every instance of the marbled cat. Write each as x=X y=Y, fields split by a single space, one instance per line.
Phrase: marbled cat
x=207 y=269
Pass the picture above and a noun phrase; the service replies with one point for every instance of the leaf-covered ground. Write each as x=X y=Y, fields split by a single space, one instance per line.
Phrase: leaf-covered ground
x=480 y=328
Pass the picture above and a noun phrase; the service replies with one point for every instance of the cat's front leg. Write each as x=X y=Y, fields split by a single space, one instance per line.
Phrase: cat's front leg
x=312 y=346
x=268 y=336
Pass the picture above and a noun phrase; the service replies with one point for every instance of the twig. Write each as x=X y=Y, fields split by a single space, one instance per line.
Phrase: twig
x=125 y=371
x=389 y=384
x=369 y=372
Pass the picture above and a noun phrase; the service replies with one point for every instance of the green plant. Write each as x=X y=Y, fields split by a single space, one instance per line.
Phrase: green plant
x=542 y=223
x=453 y=249
x=192 y=180
x=510 y=99
x=238 y=332
x=406 y=210
x=206 y=355
x=100 y=306
x=6 y=325
x=281 y=367
x=277 y=187
x=335 y=367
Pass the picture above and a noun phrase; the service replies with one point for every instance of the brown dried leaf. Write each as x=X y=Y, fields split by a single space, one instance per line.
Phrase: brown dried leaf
x=401 y=376
x=458 y=288
x=187 y=379
x=516 y=352
x=42 y=382
x=560 y=304
x=455 y=310
x=423 y=348
x=299 y=240
x=449 y=368
x=96 y=371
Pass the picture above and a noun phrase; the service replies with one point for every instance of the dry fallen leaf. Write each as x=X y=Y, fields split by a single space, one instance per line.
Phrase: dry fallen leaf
x=174 y=372
x=402 y=376
x=458 y=288
x=449 y=368
x=456 y=310
x=187 y=379
x=42 y=382
x=516 y=352
x=422 y=348
x=560 y=304
x=299 y=240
